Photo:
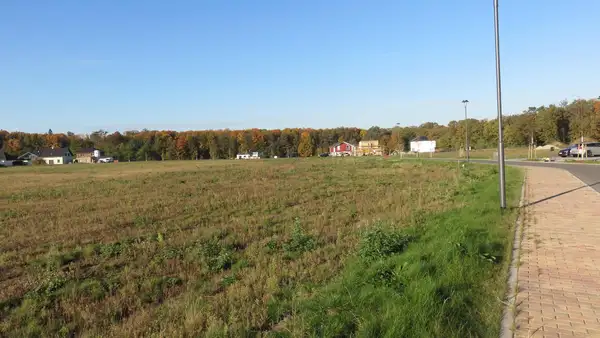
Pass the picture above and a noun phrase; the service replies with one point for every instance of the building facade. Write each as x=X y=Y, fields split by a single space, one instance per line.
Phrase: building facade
x=369 y=148
x=87 y=155
x=342 y=149
x=54 y=155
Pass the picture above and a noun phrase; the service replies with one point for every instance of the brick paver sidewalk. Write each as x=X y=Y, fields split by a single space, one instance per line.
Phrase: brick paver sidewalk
x=559 y=272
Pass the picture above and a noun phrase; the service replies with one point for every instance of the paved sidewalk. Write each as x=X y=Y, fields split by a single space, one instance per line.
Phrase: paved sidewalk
x=559 y=272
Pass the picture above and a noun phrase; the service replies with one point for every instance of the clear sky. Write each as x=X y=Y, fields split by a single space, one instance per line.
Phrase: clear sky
x=82 y=65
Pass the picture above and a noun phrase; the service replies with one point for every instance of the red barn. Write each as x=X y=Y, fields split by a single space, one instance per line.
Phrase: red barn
x=342 y=149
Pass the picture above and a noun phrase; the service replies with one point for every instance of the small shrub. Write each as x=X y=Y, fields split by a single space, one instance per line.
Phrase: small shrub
x=272 y=245
x=93 y=288
x=228 y=280
x=239 y=265
x=380 y=242
x=56 y=261
x=49 y=289
x=171 y=253
x=299 y=242
x=90 y=250
x=111 y=250
x=215 y=255
x=384 y=276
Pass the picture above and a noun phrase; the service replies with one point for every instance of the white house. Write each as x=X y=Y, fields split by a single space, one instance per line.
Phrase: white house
x=254 y=156
x=54 y=155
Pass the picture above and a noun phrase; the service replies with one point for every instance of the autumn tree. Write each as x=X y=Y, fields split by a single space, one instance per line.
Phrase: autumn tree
x=305 y=147
x=565 y=122
x=213 y=146
x=13 y=146
x=181 y=147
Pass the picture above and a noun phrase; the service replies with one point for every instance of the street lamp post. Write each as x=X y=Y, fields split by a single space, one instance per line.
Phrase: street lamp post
x=499 y=108
x=466 y=102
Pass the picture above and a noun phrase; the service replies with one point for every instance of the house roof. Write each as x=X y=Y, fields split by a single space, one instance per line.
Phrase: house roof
x=86 y=150
x=52 y=152
x=337 y=144
x=26 y=156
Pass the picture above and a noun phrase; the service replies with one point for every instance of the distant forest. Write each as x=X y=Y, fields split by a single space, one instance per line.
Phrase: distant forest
x=547 y=124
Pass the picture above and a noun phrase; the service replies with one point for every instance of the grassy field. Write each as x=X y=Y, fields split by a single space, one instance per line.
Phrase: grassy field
x=511 y=153
x=318 y=247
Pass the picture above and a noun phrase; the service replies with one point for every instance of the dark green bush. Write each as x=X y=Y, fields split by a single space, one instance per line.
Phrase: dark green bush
x=380 y=242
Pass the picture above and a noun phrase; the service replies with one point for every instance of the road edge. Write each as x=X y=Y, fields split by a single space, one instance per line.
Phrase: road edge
x=508 y=318
x=580 y=180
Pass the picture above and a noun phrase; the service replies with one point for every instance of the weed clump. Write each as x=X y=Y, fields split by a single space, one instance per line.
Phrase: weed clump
x=299 y=241
x=154 y=288
x=380 y=242
x=216 y=256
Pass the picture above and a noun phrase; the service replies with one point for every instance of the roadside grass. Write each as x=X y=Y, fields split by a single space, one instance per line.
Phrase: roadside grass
x=512 y=153
x=440 y=276
x=317 y=247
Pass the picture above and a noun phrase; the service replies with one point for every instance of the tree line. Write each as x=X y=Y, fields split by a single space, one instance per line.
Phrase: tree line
x=564 y=123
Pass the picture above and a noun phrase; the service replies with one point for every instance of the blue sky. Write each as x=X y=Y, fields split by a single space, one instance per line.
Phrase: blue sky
x=199 y=64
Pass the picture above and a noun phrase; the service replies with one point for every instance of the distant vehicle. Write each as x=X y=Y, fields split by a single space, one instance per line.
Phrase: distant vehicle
x=324 y=155
x=567 y=151
x=105 y=160
x=591 y=149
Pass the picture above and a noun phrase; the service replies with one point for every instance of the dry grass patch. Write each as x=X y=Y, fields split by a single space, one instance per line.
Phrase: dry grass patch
x=181 y=248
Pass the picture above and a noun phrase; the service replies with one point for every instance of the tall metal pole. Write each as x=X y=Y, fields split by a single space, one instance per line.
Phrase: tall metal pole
x=465 y=102
x=499 y=107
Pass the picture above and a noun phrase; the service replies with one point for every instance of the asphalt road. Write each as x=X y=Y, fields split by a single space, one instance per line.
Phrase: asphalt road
x=588 y=173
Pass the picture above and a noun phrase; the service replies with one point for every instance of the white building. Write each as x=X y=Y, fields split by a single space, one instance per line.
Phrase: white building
x=53 y=155
x=254 y=156
x=422 y=145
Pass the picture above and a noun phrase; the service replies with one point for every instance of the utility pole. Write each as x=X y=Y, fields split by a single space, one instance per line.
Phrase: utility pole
x=499 y=108
x=466 y=102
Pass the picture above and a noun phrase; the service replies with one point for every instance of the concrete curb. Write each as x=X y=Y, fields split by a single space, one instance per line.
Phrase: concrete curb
x=508 y=319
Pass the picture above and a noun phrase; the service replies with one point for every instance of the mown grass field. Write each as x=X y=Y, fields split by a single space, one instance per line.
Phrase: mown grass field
x=511 y=153
x=318 y=247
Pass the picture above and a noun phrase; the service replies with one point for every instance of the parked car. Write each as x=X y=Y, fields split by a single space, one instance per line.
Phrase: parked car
x=591 y=149
x=19 y=163
x=105 y=160
x=324 y=155
x=567 y=151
